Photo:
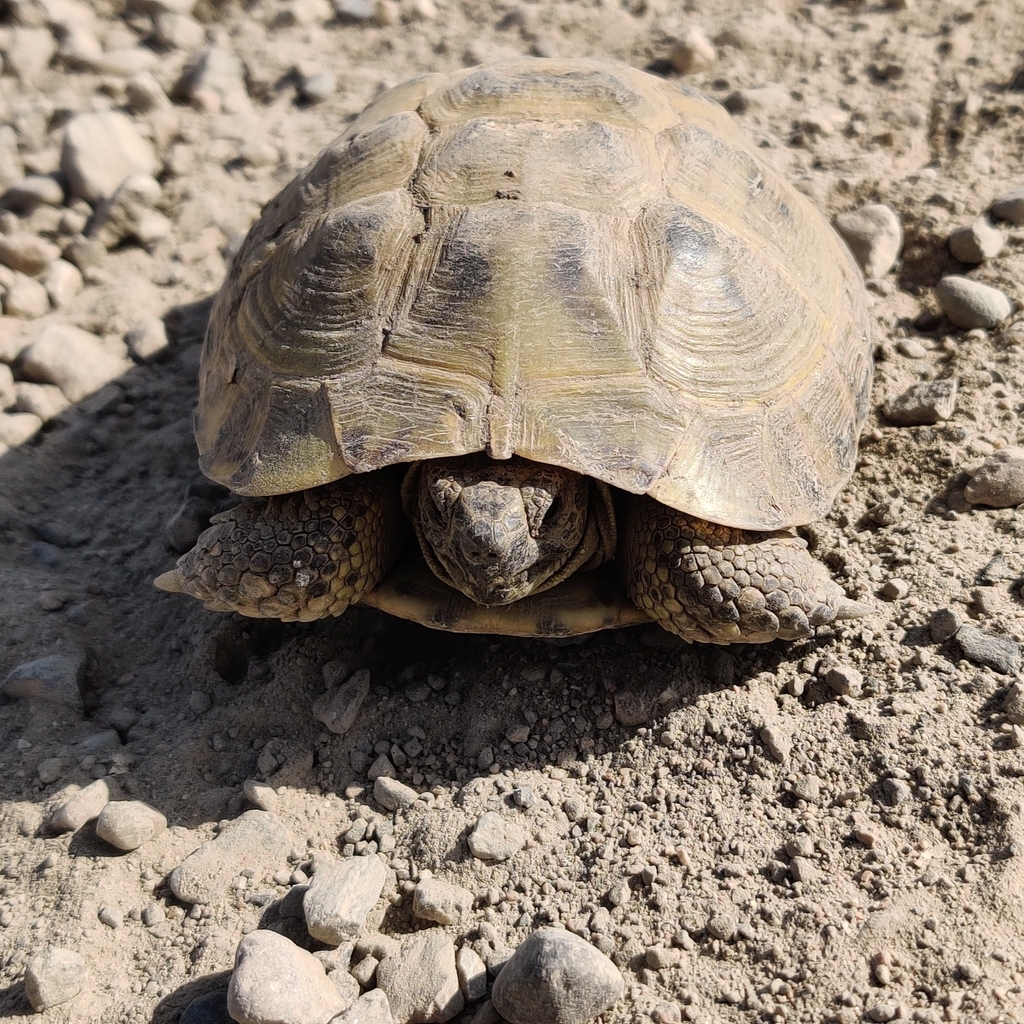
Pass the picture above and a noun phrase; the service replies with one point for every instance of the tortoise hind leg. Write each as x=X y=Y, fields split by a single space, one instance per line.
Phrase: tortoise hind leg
x=296 y=557
x=717 y=584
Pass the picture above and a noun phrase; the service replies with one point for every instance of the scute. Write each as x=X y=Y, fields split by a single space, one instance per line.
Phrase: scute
x=569 y=260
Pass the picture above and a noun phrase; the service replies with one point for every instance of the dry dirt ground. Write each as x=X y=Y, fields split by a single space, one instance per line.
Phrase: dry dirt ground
x=867 y=863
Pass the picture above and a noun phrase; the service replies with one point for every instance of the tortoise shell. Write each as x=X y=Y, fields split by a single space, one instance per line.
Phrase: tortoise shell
x=568 y=260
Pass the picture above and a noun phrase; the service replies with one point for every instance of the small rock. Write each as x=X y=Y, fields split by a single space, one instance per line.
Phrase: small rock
x=62 y=281
x=761 y=99
x=35 y=190
x=341 y=895
x=26 y=298
x=79 y=809
x=214 y=82
x=922 y=404
x=693 y=52
x=943 y=623
x=73 y=359
x=354 y=11
x=495 y=839
x=722 y=925
x=129 y=213
x=896 y=791
x=998 y=652
x=8 y=392
x=18 y=427
x=844 y=680
x=977 y=242
x=381 y=768
x=1013 y=704
x=370 y=1008
x=778 y=742
x=54 y=976
x=875 y=237
x=112 y=917
x=317 y=86
x=147 y=340
x=472 y=973
x=421 y=981
x=256 y=840
x=440 y=901
x=127 y=824
x=276 y=981
x=895 y=589
x=807 y=787
x=50 y=770
x=89 y=256
x=27 y=253
x=969 y=303
x=804 y=870
x=999 y=481
x=177 y=31
x=57 y=679
x=392 y=794
x=260 y=795
x=882 y=1012
x=1010 y=207
x=100 y=150
x=339 y=708
x=555 y=977
x=28 y=53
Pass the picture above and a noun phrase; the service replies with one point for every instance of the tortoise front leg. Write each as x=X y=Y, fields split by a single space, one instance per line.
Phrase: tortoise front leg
x=297 y=556
x=716 y=584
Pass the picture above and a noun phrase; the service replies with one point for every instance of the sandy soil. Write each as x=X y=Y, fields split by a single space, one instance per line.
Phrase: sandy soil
x=869 y=853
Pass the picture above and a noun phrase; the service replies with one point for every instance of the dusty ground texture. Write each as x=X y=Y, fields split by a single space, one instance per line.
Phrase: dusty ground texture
x=862 y=859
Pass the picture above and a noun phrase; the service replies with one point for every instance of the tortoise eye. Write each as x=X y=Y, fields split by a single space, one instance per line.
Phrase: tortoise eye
x=445 y=493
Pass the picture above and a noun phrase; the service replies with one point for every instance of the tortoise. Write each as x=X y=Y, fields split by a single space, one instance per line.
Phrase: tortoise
x=537 y=348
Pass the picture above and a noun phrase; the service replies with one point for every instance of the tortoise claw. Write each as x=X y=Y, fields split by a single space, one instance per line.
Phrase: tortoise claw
x=847 y=609
x=171 y=581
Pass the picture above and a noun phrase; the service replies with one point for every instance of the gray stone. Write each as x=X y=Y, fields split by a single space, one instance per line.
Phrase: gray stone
x=875 y=237
x=50 y=770
x=969 y=303
x=339 y=708
x=844 y=680
x=54 y=976
x=80 y=808
x=112 y=917
x=421 y=981
x=436 y=900
x=999 y=481
x=998 y=652
x=778 y=741
x=25 y=297
x=924 y=403
x=370 y=1008
x=12 y=170
x=555 y=977
x=57 y=679
x=73 y=359
x=804 y=870
x=318 y=86
x=256 y=840
x=147 y=340
x=341 y=895
x=495 y=839
x=100 y=150
x=392 y=794
x=1010 y=207
x=896 y=791
x=943 y=623
x=354 y=11
x=129 y=214
x=277 y=982
x=27 y=253
x=976 y=242
x=127 y=824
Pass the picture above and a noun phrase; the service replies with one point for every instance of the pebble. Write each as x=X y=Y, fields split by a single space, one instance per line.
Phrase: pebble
x=370 y=1008
x=8 y=391
x=354 y=11
x=1010 y=207
x=896 y=791
x=976 y=242
x=875 y=237
x=35 y=190
x=778 y=741
x=804 y=870
x=50 y=770
x=73 y=359
x=147 y=340
x=80 y=808
x=27 y=253
x=922 y=404
x=100 y=149
x=807 y=787
x=693 y=52
x=127 y=824
x=969 y=303
x=25 y=297
x=392 y=794
x=495 y=839
x=129 y=214
x=57 y=679
x=260 y=795
x=381 y=768
x=62 y=281
x=895 y=589
x=844 y=680
x=943 y=623
x=112 y=917
x=178 y=31
x=436 y=900
x=54 y=976
x=257 y=840
x=472 y=972
x=89 y=256
x=999 y=481
x=555 y=977
x=1013 y=704
x=339 y=708
x=341 y=895
x=722 y=925
x=421 y=981
x=998 y=652
x=214 y=82
x=275 y=980
x=317 y=86
x=18 y=427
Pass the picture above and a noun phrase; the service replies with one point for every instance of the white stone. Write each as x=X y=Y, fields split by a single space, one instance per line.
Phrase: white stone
x=999 y=481
x=437 y=900
x=495 y=839
x=341 y=895
x=214 y=81
x=147 y=340
x=370 y=1008
x=73 y=359
x=27 y=252
x=976 y=242
x=62 y=281
x=43 y=400
x=127 y=824
x=1010 y=207
x=472 y=973
x=392 y=794
x=969 y=303
x=129 y=213
x=421 y=981
x=25 y=297
x=875 y=237
x=53 y=977
x=80 y=808
x=100 y=150
x=17 y=427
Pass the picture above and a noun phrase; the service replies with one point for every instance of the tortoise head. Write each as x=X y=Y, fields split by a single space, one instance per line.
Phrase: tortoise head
x=498 y=530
